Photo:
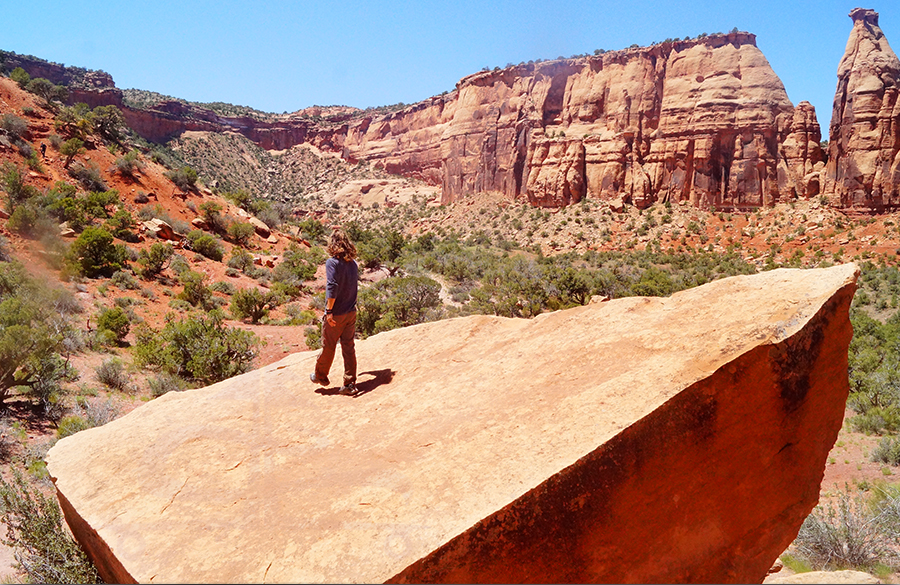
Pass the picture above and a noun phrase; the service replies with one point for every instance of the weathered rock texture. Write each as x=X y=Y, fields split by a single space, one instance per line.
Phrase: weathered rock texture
x=703 y=120
x=638 y=440
x=864 y=148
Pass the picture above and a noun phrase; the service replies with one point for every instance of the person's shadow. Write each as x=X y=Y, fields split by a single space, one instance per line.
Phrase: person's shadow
x=365 y=386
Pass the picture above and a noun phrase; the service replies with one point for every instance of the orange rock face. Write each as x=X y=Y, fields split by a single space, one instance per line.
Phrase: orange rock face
x=638 y=440
x=703 y=120
x=864 y=149
x=706 y=121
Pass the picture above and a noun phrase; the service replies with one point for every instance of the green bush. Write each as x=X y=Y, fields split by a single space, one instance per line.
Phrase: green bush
x=240 y=259
x=34 y=329
x=88 y=175
x=200 y=348
x=195 y=290
x=44 y=550
x=112 y=373
x=130 y=163
x=108 y=122
x=397 y=302
x=70 y=149
x=848 y=535
x=115 y=320
x=13 y=182
x=313 y=337
x=20 y=76
x=155 y=259
x=163 y=383
x=298 y=266
x=124 y=280
x=253 y=304
x=185 y=178
x=240 y=233
x=24 y=220
x=14 y=126
x=69 y=425
x=887 y=451
x=206 y=245
x=93 y=253
x=122 y=225
x=47 y=90
x=314 y=230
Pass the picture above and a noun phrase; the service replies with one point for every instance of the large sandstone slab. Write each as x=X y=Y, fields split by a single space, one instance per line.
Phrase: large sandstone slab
x=642 y=439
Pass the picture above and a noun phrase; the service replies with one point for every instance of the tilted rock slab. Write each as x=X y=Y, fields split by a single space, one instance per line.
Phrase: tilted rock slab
x=637 y=440
x=864 y=148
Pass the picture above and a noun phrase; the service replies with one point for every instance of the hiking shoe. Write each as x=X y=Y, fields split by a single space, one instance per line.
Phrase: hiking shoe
x=348 y=390
x=314 y=380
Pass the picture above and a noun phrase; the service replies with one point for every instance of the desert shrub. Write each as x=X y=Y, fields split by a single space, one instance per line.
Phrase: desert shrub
x=154 y=260
x=124 y=280
x=34 y=329
x=70 y=149
x=253 y=304
x=130 y=163
x=122 y=225
x=240 y=233
x=98 y=413
x=313 y=230
x=221 y=286
x=88 y=175
x=240 y=198
x=44 y=550
x=14 y=126
x=874 y=371
x=116 y=320
x=71 y=424
x=24 y=220
x=211 y=212
x=108 y=122
x=200 y=348
x=185 y=178
x=195 y=290
x=396 y=302
x=20 y=76
x=112 y=373
x=887 y=451
x=299 y=316
x=206 y=245
x=240 y=259
x=47 y=90
x=847 y=534
x=12 y=179
x=298 y=265
x=313 y=337
x=93 y=253
x=165 y=382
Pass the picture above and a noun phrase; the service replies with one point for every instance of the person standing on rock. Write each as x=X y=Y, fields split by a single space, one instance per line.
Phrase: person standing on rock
x=339 y=320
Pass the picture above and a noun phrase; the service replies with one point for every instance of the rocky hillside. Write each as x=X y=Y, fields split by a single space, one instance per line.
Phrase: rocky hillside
x=705 y=121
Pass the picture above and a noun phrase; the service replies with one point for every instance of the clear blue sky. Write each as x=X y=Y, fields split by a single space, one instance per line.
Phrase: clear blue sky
x=282 y=56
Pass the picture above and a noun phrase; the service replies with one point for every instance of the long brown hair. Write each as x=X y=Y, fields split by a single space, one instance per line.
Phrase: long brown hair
x=340 y=246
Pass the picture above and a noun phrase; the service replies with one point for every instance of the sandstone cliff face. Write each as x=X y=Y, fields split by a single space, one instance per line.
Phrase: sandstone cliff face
x=639 y=440
x=705 y=121
x=864 y=149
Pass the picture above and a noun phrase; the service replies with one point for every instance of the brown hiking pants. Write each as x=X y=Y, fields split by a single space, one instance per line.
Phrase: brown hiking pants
x=343 y=329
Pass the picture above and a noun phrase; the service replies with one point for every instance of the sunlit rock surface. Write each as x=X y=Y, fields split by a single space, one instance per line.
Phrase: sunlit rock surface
x=637 y=440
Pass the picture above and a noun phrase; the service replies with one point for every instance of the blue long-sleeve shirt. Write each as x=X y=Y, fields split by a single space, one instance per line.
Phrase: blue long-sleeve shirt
x=341 y=281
